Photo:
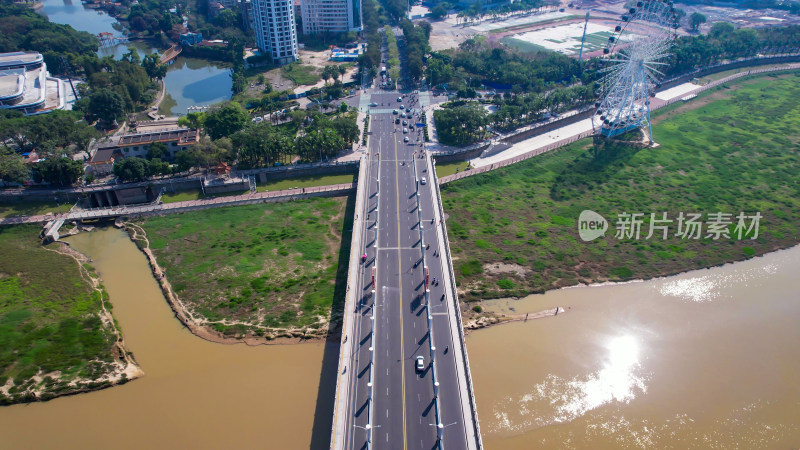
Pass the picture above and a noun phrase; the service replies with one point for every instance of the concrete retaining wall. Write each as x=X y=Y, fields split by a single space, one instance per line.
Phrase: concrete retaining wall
x=748 y=62
x=445 y=157
x=456 y=307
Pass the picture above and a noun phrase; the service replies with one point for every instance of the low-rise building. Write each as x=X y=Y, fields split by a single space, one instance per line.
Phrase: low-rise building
x=26 y=85
x=190 y=38
x=128 y=145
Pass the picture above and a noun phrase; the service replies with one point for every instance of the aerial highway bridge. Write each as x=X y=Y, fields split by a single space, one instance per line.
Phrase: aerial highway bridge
x=404 y=379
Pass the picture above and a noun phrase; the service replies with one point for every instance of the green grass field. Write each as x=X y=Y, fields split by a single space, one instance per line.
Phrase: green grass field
x=194 y=194
x=276 y=185
x=522 y=46
x=49 y=319
x=301 y=74
x=268 y=267
x=444 y=169
x=736 y=151
x=304 y=182
x=9 y=209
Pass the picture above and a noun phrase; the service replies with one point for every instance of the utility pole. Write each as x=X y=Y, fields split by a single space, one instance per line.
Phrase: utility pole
x=583 y=38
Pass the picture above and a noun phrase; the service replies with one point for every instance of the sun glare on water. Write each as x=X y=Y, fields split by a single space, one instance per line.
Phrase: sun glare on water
x=559 y=400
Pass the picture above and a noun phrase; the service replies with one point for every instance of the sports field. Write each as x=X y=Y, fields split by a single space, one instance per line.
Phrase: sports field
x=564 y=39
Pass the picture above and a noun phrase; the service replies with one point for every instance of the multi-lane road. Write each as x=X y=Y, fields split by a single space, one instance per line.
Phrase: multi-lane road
x=404 y=412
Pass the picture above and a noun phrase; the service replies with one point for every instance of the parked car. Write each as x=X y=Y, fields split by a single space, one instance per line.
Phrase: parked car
x=395 y=111
x=405 y=122
x=373 y=104
x=405 y=139
x=399 y=99
x=405 y=130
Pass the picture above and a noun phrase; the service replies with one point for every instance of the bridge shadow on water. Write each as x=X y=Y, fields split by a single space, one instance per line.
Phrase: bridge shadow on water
x=326 y=392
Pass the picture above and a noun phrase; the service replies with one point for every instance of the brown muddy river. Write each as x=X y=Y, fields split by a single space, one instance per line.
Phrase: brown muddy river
x=707 y=359
x=195 y=394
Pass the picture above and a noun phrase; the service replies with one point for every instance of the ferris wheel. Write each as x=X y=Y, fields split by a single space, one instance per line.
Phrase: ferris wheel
x=632 y=57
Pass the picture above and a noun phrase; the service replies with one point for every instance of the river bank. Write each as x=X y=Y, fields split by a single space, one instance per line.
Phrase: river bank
x=60 y=337
x=195 y=393
x=200 y=327
x=703 y=359
x=715 y=157
x=252 y=274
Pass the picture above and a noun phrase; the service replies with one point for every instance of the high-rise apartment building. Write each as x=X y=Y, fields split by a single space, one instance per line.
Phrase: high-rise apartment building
x=335 y=16
x=276 y=33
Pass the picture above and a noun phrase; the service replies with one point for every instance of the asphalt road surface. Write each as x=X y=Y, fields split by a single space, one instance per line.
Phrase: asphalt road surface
x=403 y=410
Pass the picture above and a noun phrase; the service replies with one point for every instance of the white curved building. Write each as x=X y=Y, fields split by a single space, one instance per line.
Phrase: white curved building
x=26 y=85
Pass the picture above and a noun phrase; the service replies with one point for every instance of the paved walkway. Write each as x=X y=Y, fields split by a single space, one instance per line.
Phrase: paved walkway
x=559 y=137
x=246 y=199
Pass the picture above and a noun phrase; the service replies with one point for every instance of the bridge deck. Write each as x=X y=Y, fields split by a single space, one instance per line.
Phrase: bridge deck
x=382 y=400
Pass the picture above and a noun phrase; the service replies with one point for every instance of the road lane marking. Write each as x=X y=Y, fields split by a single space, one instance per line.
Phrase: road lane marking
x=400 y=303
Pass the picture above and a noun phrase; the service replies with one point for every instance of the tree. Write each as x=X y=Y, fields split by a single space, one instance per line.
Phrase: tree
x=326 y=74
x=342 y=70
x=261 y=145
x=298 y=116
x=132 y=56
x=460 y=125
x=695 y=20
x=225 y=121
x=12 y=167
x=192 y=120
x=129 y=169
x=157 y=150
x=60 y=172
x=227 y=18
x=152 y=65
x=158 y=167
x=346 y=128
x=106 y=105
x=439 y=11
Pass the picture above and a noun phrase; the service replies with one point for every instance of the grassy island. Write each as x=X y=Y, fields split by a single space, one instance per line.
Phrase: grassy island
x=269 y=270
x=57 y=336
x=514 y=230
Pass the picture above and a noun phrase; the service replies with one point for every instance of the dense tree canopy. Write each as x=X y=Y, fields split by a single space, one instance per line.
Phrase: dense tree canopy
x=105 y=105
x=61 y=171
x=61 y=131
x=226 y=120
x=460 y=125
x=21 y=28
x=416 y=47
x=12 y=167
x=131 y=169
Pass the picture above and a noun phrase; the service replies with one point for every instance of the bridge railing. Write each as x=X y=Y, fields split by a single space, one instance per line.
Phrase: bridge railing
x=456 y=306
x=246 y=199
x=343 y=386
